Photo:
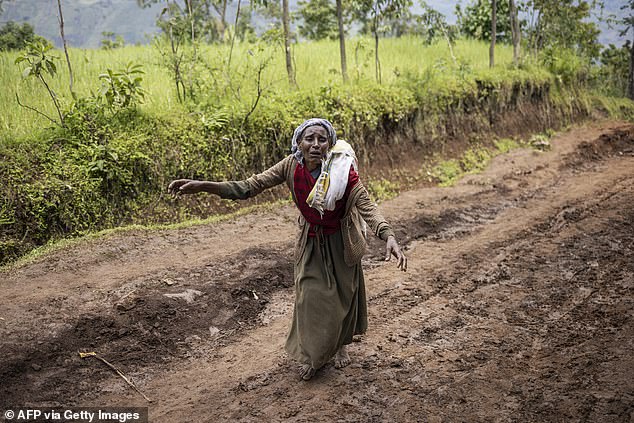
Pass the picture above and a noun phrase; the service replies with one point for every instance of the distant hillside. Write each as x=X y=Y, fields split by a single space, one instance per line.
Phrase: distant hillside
x=85 y=20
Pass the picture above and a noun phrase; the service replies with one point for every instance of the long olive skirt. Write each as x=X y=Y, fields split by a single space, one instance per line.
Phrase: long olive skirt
x=330 y=302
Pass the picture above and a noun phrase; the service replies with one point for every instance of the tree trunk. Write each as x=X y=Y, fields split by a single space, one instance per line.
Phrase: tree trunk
x=61 y=31
x=190 y=13
x=630 y=79
x=515 y=31
x=377 y=62
x=342 y=41
x=286 y=22
x=233 y=37
x=223 y=20
x=538 y=34
x=493 y=34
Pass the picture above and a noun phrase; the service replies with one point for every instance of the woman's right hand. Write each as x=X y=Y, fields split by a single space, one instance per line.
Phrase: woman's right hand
x=184 y=186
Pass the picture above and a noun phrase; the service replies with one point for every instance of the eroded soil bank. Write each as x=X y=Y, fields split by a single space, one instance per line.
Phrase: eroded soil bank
x=517 y=306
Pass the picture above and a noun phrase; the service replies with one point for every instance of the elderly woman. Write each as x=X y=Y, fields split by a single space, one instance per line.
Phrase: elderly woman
x=330 y=304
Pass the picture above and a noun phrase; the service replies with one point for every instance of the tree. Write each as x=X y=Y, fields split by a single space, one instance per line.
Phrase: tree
x=14 y=36
x=321 y=19
x=281 y=33
x=342 y=41
x=432 y=24
x=60 y=18
x=244 y=29
x=493 y=33
x=374 y=16
x=563 y=24
x=180 y=26
x=39 y=63
x=628 y=23
x=614 y=73
x=286 y=25
x=111 y=40
x=515 y=31
x=475 y=21
x=185 y=19
x=318 y=19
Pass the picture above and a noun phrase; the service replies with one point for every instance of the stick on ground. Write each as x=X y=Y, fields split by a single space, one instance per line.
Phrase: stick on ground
x=119 y=372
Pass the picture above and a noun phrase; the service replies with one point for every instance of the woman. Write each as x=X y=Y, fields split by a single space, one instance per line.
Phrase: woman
x=330 y=304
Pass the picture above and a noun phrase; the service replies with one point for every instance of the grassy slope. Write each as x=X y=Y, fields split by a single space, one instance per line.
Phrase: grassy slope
x=62 y=183
x=317 y=64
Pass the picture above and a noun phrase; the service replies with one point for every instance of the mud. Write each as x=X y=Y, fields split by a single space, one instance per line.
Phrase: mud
x=517 y=306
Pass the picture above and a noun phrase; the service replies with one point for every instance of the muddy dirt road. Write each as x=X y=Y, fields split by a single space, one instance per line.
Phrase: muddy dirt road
x=517 y=307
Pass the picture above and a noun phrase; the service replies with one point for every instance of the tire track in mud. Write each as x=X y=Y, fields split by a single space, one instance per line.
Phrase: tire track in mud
x=234 y=293
x=152 y=320
x=470 y=353
x=459 y=363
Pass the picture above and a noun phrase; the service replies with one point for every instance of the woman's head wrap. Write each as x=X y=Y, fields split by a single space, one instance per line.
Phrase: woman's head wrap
x=299 y=132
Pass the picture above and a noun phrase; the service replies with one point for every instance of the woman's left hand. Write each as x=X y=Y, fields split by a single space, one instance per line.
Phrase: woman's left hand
x=392 y=249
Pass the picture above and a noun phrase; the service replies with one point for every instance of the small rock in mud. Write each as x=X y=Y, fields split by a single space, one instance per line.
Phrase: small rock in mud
x=189 y=295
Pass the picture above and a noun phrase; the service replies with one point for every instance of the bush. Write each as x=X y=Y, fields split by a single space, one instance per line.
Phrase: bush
x=110 y=163
x=14 y=36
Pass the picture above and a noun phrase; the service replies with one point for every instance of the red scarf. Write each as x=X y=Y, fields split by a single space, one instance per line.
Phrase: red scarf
x=331 y=222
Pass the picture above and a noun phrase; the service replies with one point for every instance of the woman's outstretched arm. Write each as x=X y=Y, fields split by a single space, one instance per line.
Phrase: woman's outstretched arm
x=235 y=190
x=191 y=186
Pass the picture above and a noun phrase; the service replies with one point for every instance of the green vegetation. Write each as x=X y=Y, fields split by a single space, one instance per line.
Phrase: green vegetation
x=14 y=36
x=504 y=145
x=403 y=59
x=473 y=160
x=126 y=133
x=382 y=189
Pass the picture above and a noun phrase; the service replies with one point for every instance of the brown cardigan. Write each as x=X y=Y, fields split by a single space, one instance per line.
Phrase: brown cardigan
x=358 y=207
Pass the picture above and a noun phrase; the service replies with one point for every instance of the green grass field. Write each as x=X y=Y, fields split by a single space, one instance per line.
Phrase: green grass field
x=317 y=63
x=109 y=167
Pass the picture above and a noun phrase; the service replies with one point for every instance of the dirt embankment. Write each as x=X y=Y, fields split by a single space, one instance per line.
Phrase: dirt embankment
x=517 y=306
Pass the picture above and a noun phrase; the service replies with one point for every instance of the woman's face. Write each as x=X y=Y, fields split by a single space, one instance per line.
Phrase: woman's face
x=314 y=146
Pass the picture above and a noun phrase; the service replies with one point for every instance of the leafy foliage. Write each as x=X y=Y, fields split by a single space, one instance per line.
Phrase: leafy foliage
x=475 y=20
x=111 y=41
x=110 y=163
x=380 y=16
x=181 y=20
x=433 y=25
x=563 y=24
x=41 y=62
x=14 y=36
x=121 y=89
x=611 y=77
x=319 y=19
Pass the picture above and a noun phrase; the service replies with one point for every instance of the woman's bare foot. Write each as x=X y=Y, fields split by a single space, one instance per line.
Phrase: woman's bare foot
x=342 y=359
x=306 y=372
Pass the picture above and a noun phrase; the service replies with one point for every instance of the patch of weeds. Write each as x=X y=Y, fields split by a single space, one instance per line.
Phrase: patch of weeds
x=475 y=160
x=382 y=189
x=540 y=142
x=447 y=172
x=505 y=145
x=472 y=161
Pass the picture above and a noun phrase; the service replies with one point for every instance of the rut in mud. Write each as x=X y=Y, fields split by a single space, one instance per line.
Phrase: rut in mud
x=517 y=307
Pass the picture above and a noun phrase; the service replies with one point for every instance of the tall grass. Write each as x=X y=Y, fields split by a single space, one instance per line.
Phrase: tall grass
x=109 y=168
x=316 y=63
